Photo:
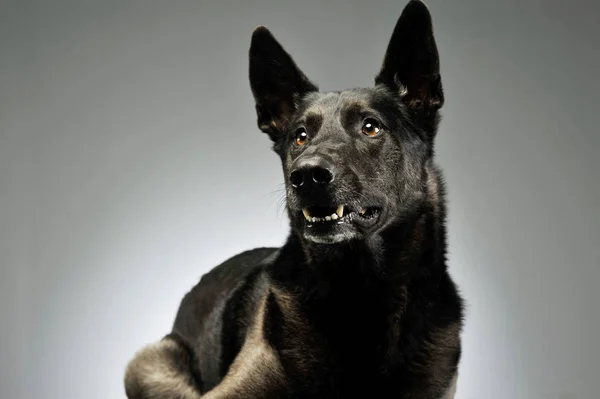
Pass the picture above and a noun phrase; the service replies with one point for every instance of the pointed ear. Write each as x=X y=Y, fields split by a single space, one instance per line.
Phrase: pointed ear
x=276 y=83
x=411 y=65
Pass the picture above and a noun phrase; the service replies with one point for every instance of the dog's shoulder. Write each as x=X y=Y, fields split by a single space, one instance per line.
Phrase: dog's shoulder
x=215 y=314
x=238 y=266
x=221 y=282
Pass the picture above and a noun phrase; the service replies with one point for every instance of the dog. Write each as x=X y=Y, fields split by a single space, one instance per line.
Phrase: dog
x=358 y=302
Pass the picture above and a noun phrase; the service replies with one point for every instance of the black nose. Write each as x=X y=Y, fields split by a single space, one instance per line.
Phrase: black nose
x=311 y=172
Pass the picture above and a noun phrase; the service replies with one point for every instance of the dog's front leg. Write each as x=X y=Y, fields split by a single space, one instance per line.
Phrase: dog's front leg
x=256 y=372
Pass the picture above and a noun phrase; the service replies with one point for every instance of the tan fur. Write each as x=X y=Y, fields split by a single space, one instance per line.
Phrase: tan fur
x=452 y=389
x=306 y=352
x=152 y=373
x=256 y=370
x=433 y=189
x=441 y=347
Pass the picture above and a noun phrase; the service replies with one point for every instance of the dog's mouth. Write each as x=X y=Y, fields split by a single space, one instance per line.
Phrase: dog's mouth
x=339 y=214
x=334 y=224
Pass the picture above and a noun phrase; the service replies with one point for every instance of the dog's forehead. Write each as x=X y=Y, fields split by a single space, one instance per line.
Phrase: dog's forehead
x=330 y=103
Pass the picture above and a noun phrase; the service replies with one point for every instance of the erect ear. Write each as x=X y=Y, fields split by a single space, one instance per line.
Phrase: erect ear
x=276 y=83
x=411 y=65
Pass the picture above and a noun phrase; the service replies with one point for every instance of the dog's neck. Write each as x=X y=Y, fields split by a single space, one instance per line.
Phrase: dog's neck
x=357 y=295
x=413 y=249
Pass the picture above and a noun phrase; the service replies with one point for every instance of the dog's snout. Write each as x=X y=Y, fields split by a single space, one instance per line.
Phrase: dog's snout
x=297 y=178
x=311 y=172
x=322 y=175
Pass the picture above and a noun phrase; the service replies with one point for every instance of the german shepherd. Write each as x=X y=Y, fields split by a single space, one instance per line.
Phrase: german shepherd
x=358 y=302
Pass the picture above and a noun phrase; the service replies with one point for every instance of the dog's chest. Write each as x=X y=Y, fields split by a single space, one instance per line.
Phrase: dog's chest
x=341 y=350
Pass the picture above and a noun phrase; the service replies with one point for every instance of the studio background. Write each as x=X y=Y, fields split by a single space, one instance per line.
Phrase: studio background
x=130 y=164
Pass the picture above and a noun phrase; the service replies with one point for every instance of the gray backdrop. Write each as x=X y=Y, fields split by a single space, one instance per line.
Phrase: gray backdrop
x=130 y=163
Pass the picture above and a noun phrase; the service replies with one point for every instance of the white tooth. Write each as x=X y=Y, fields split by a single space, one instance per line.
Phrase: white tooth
x=340 y=210
x=363 y=211
x=328 y=218
x=306 y=214
x=334 y=216
x=315 y=219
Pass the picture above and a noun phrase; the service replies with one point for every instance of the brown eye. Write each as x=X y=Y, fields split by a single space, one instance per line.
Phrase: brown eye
x=301 y=137
x=371 y=128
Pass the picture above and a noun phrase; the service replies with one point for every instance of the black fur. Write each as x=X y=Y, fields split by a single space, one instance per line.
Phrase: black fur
x=364 y=305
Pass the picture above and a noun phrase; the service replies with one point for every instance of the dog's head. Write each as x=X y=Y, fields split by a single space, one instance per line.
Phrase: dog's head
x=359 y=160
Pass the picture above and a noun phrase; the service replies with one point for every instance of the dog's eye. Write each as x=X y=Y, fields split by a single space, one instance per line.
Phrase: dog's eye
x=301 y=137
x=371 y=127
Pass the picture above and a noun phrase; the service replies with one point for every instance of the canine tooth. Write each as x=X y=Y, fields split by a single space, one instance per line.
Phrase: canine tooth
x=363 y=211
x=340 y=210
x=314 y=219
x=334 y=216
x=328 y=218
x=306 y=214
